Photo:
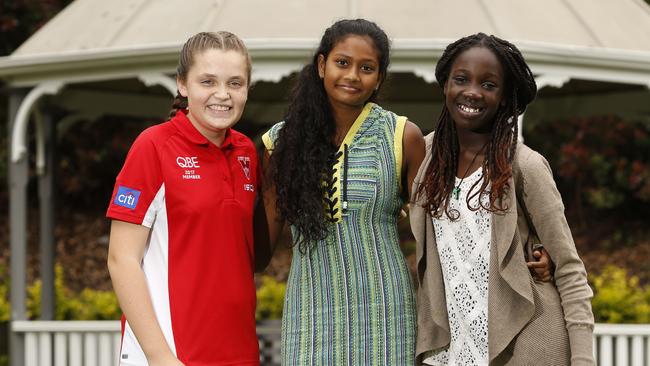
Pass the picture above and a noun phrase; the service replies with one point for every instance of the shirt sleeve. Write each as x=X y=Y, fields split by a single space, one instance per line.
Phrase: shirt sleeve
x=137 y=184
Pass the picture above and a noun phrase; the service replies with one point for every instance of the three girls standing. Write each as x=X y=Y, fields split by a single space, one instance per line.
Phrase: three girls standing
x=339 y=169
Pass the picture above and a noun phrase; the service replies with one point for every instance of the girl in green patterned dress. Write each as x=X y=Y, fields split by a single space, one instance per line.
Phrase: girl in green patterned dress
x=338 y=171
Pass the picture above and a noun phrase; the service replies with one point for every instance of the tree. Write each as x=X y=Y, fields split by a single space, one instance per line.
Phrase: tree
x=19 y=19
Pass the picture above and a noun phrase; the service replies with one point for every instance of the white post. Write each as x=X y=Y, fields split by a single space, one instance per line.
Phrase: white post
x=31 y=344
x=90 y=349
x=621 y=350
x=605 y=352
x=60 y=349
x=76 y=349
x=637 y=351
x=44 y=349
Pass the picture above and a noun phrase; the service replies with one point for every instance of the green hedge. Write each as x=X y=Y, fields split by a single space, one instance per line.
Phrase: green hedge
x=88 y=304
x=618 y=298
x=270 y=299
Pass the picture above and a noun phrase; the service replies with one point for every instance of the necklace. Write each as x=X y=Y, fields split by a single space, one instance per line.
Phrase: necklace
x=456 y=191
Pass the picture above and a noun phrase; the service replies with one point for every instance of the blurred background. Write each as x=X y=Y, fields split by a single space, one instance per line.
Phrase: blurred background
x=86 y=77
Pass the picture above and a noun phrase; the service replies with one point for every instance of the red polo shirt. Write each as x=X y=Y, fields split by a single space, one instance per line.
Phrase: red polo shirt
x=197 y=199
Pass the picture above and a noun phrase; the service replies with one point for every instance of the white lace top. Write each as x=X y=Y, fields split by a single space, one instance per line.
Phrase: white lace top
x=464 y=251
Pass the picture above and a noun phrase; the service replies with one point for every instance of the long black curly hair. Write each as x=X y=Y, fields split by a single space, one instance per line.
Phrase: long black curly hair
x=300 y=159
x=520 y=90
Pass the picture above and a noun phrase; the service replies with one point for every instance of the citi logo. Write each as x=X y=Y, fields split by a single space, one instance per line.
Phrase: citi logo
x=187 y=162
x=126 y=197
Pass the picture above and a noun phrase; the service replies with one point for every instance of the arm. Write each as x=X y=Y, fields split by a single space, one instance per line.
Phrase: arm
x=414 y=150
x=546 y=211
x=125 y=252
x=267 y=222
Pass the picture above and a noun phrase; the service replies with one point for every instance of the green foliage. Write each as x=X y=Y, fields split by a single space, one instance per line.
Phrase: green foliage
x=89 y=304
x=4 y=295
x=619 y=298
x=270 y=299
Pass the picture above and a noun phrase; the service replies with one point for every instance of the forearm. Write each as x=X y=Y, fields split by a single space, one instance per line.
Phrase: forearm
x=132 y=292
x=546 y=211
x=574 y=290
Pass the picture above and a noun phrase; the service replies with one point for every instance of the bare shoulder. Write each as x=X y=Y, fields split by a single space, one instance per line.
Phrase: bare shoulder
x=412 y=134
x=413 y=144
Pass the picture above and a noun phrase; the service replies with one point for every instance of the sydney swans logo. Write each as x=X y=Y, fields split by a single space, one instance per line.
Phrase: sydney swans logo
x=245 y=163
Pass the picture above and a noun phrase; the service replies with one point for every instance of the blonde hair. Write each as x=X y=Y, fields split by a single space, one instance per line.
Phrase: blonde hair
x=198 y=43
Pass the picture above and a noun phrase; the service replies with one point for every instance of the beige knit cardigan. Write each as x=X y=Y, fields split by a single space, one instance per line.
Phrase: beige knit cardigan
x=529 y=322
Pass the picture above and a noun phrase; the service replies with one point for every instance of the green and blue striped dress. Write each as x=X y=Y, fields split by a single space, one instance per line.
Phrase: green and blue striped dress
x=350 y=298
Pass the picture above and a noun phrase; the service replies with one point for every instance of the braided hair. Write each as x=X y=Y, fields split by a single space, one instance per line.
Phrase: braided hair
x=198 y=43
x=301 y=153
x=520 y=90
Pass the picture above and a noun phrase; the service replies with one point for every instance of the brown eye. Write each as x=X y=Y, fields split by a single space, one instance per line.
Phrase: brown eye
x=489 y=85
x=459 y=79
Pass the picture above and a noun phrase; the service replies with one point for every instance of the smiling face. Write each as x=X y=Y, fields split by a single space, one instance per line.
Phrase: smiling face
x=216 y=88
x=350 y=72
x=474 y=89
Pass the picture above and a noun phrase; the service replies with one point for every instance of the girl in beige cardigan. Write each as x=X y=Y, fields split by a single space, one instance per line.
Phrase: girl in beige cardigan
x=480 y=198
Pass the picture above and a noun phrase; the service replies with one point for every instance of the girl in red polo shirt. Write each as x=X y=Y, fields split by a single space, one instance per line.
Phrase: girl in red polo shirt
x=180 y=251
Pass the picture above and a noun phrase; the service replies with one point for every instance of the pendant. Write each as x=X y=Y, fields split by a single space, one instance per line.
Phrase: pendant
x=456 y=192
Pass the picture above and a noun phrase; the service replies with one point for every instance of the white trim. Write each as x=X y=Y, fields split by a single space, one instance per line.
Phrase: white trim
x=274 y=71
x=24 y=326
x=153 y=78
x=283 y=54
x=40 y=142
x=19 y=131
x=622 y=329
x=556 y=81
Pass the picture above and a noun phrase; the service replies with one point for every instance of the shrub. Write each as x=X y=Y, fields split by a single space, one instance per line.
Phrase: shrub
x=619 y=298
x=270 y=299
x=4 y=295
x=89 y=304
x=603 y=160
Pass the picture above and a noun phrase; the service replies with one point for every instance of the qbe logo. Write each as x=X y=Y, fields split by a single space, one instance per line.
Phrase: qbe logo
x=126 y=197
x=188 y=162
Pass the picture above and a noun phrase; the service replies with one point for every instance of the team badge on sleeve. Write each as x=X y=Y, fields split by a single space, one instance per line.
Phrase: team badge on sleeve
x=245 y=163
x=126 y=197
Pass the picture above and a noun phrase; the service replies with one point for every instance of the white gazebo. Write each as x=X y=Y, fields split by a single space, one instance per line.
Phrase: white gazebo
x=97 y=57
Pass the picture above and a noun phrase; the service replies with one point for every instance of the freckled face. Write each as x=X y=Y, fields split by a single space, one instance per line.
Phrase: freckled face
x=474 y=89
x=216 y=88
x=351 y=72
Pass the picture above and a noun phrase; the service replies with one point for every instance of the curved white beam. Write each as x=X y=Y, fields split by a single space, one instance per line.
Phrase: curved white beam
x=556 y=81
x=40 y=141
x=274 y=71
x=19 y=131
x=152 y=78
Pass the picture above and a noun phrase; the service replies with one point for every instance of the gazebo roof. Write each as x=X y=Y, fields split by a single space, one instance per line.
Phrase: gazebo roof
x=112 y=38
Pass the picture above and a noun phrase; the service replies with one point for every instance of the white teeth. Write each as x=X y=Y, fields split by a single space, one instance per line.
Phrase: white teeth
x=467 y=109
x=219 y=107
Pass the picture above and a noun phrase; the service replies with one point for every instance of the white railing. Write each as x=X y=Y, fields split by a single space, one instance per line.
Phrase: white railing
x=89 y=343
x=622 y=344
x=69 y=343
